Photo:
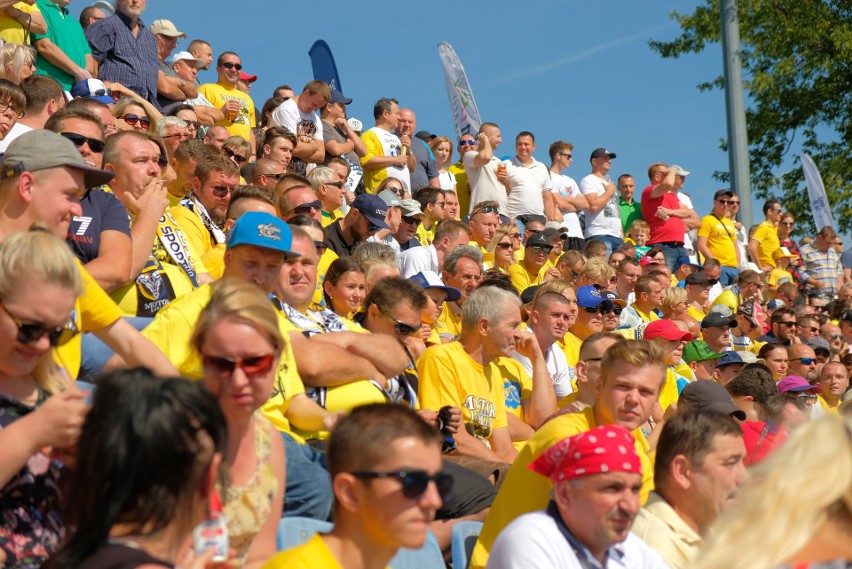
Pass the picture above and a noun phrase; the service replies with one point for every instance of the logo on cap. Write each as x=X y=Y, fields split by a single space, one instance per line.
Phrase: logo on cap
x=269 y=231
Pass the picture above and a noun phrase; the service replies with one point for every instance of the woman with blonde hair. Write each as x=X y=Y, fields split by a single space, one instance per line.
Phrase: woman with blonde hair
x=237 y=149
x=502 y=247
x=797 y=507
x=675 y=303
x=597 y=273
x=18 y=62
x=442 y=149
x=135 y=114
x=240 y=344
x=41 y=413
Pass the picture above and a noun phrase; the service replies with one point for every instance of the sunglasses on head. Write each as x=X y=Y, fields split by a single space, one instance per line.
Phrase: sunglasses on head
x=222 y=367
x=305 y=208
x=229 y=65
x=411 y=220
x=485 y=209
x=132 y=119
x=804 y=361
x=95 y=145
x=233 y=155
x=31 y=332
x=221 y=191
x=401 y=328
x=414 y=482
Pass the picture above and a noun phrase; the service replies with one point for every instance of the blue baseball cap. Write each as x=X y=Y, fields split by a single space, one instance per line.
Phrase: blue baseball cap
x=429 y=279
x=373 y=208
x=729 y=357
x=685 y=260
x=261 y=229
x=589 y=297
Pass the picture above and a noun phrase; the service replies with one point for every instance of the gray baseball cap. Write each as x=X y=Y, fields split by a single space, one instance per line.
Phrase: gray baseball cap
x=42 y=149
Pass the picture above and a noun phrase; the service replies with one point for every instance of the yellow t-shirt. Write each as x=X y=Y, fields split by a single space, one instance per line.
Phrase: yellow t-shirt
x=448 y=376
x=93 y=310
x=426 y=236
x=668 y=391
x=312 y=554
x=522 y=279
x=828 y=408
x=768 y=242
x=197 y=236
x=214 y=260
x=11 y=30
x=329 y=218
x=462 y=188
x=779 y=276
x=525 y=491
x=218 y=95
x=127 y=295
x=328 y=257
x=695 y=313
x=721 y=237
x=729 y=299
x=449 y=324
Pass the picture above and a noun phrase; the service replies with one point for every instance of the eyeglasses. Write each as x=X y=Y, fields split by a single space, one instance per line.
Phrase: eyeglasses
x=401 y=328
x=225 y=367
x=788 y=324
x=181 y=135
x=5 y=106
x=132 y=119
x=229 y=65
x=504 y=245
x=564 y=155
x=725 y=202
x=414 y=482
x=804 y=361
x=321 y=247
x=305 y=208
x=335 y=184
x=807 y=396
x=31 y=332
x=233 y=155
x=79 y=140
x=277 y=176
x=221 y=191
x=467 y=143
x=485 y=209
x=411 y=220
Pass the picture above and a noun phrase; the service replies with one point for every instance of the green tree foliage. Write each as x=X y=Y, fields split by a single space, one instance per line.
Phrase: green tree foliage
x=797 y=69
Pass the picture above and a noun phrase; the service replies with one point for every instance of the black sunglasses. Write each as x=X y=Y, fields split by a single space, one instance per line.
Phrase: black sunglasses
x=486 y=209
x=335 y=184
x=401 y=328
x=600 y=308
x=31 y=332
x=231 y=154
x=414 y=482
x=221 y=191
x=132 y=119
x=275 y=176
x=79 y=140
x=305 y=208
x=411 y=220
x=504 y=245
x=229 y=65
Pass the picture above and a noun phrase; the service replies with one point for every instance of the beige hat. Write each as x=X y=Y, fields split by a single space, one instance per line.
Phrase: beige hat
x=41 y=149
x=166 y=28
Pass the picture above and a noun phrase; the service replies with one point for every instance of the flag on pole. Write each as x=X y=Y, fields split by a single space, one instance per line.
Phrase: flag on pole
x=462 y=105
x=816 y=193
x=322 y=62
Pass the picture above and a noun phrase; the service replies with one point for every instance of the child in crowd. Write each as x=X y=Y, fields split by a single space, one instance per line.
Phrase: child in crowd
x=638 y=235
x=780 y=274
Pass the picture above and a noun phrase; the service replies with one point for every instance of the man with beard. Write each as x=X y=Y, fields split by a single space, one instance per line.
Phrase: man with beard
x=550 y=317
x=201 y=214
x=596 y=478
x=632 y=374
x=365 y=217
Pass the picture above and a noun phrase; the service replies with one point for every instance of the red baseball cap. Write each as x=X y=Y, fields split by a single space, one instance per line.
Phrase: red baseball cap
x=665 y=329
x=246 y=78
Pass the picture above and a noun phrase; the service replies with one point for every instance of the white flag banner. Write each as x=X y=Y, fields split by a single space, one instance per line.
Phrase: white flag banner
x=816 y=193
x=465 y=114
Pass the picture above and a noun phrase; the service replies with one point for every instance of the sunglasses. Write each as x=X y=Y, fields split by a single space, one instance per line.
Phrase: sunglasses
x=538 y=249
x=181 y=135
x=321 y=247
x=467 y=143
x=275 y=176
x=486 y=209
x=564 y=155
x=305 y=208
x=225 y=367
x=505 y=246
x=411 y=220
x=335 y=184
x=101 y=93
x=401 y=328
x=787 y=324
x=233 y=155
x=837 y=337
x=414 y=483
x=725 y=202
x=221 y=191
x=79 y=140
x=31 y=332
x=804 y=361
x=807 y=396
x=602 y=310
x=813 y=329
x=132 y=119
x=515 y=235
x=229 y=65
x=194 y=124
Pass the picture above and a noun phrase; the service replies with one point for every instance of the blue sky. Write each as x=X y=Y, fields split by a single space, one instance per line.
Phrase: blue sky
x=565 y=70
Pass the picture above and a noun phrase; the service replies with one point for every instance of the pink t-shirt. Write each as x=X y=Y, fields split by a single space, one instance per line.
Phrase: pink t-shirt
x=671 y=229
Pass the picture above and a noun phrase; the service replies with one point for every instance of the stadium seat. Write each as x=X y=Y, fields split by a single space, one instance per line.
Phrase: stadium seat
x=464 y=537
x=427 y=557
x=296 y=531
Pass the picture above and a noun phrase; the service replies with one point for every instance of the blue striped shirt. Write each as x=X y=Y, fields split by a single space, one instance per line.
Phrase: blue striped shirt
x=125 y=58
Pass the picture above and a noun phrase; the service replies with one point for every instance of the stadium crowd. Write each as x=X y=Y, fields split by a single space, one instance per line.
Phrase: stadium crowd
x=217 y=309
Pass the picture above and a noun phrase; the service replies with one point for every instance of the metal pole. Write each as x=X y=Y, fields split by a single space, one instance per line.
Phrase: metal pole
x=735 y=109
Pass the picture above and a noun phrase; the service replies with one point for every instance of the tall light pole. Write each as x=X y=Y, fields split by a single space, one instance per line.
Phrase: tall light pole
x=735 y=109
